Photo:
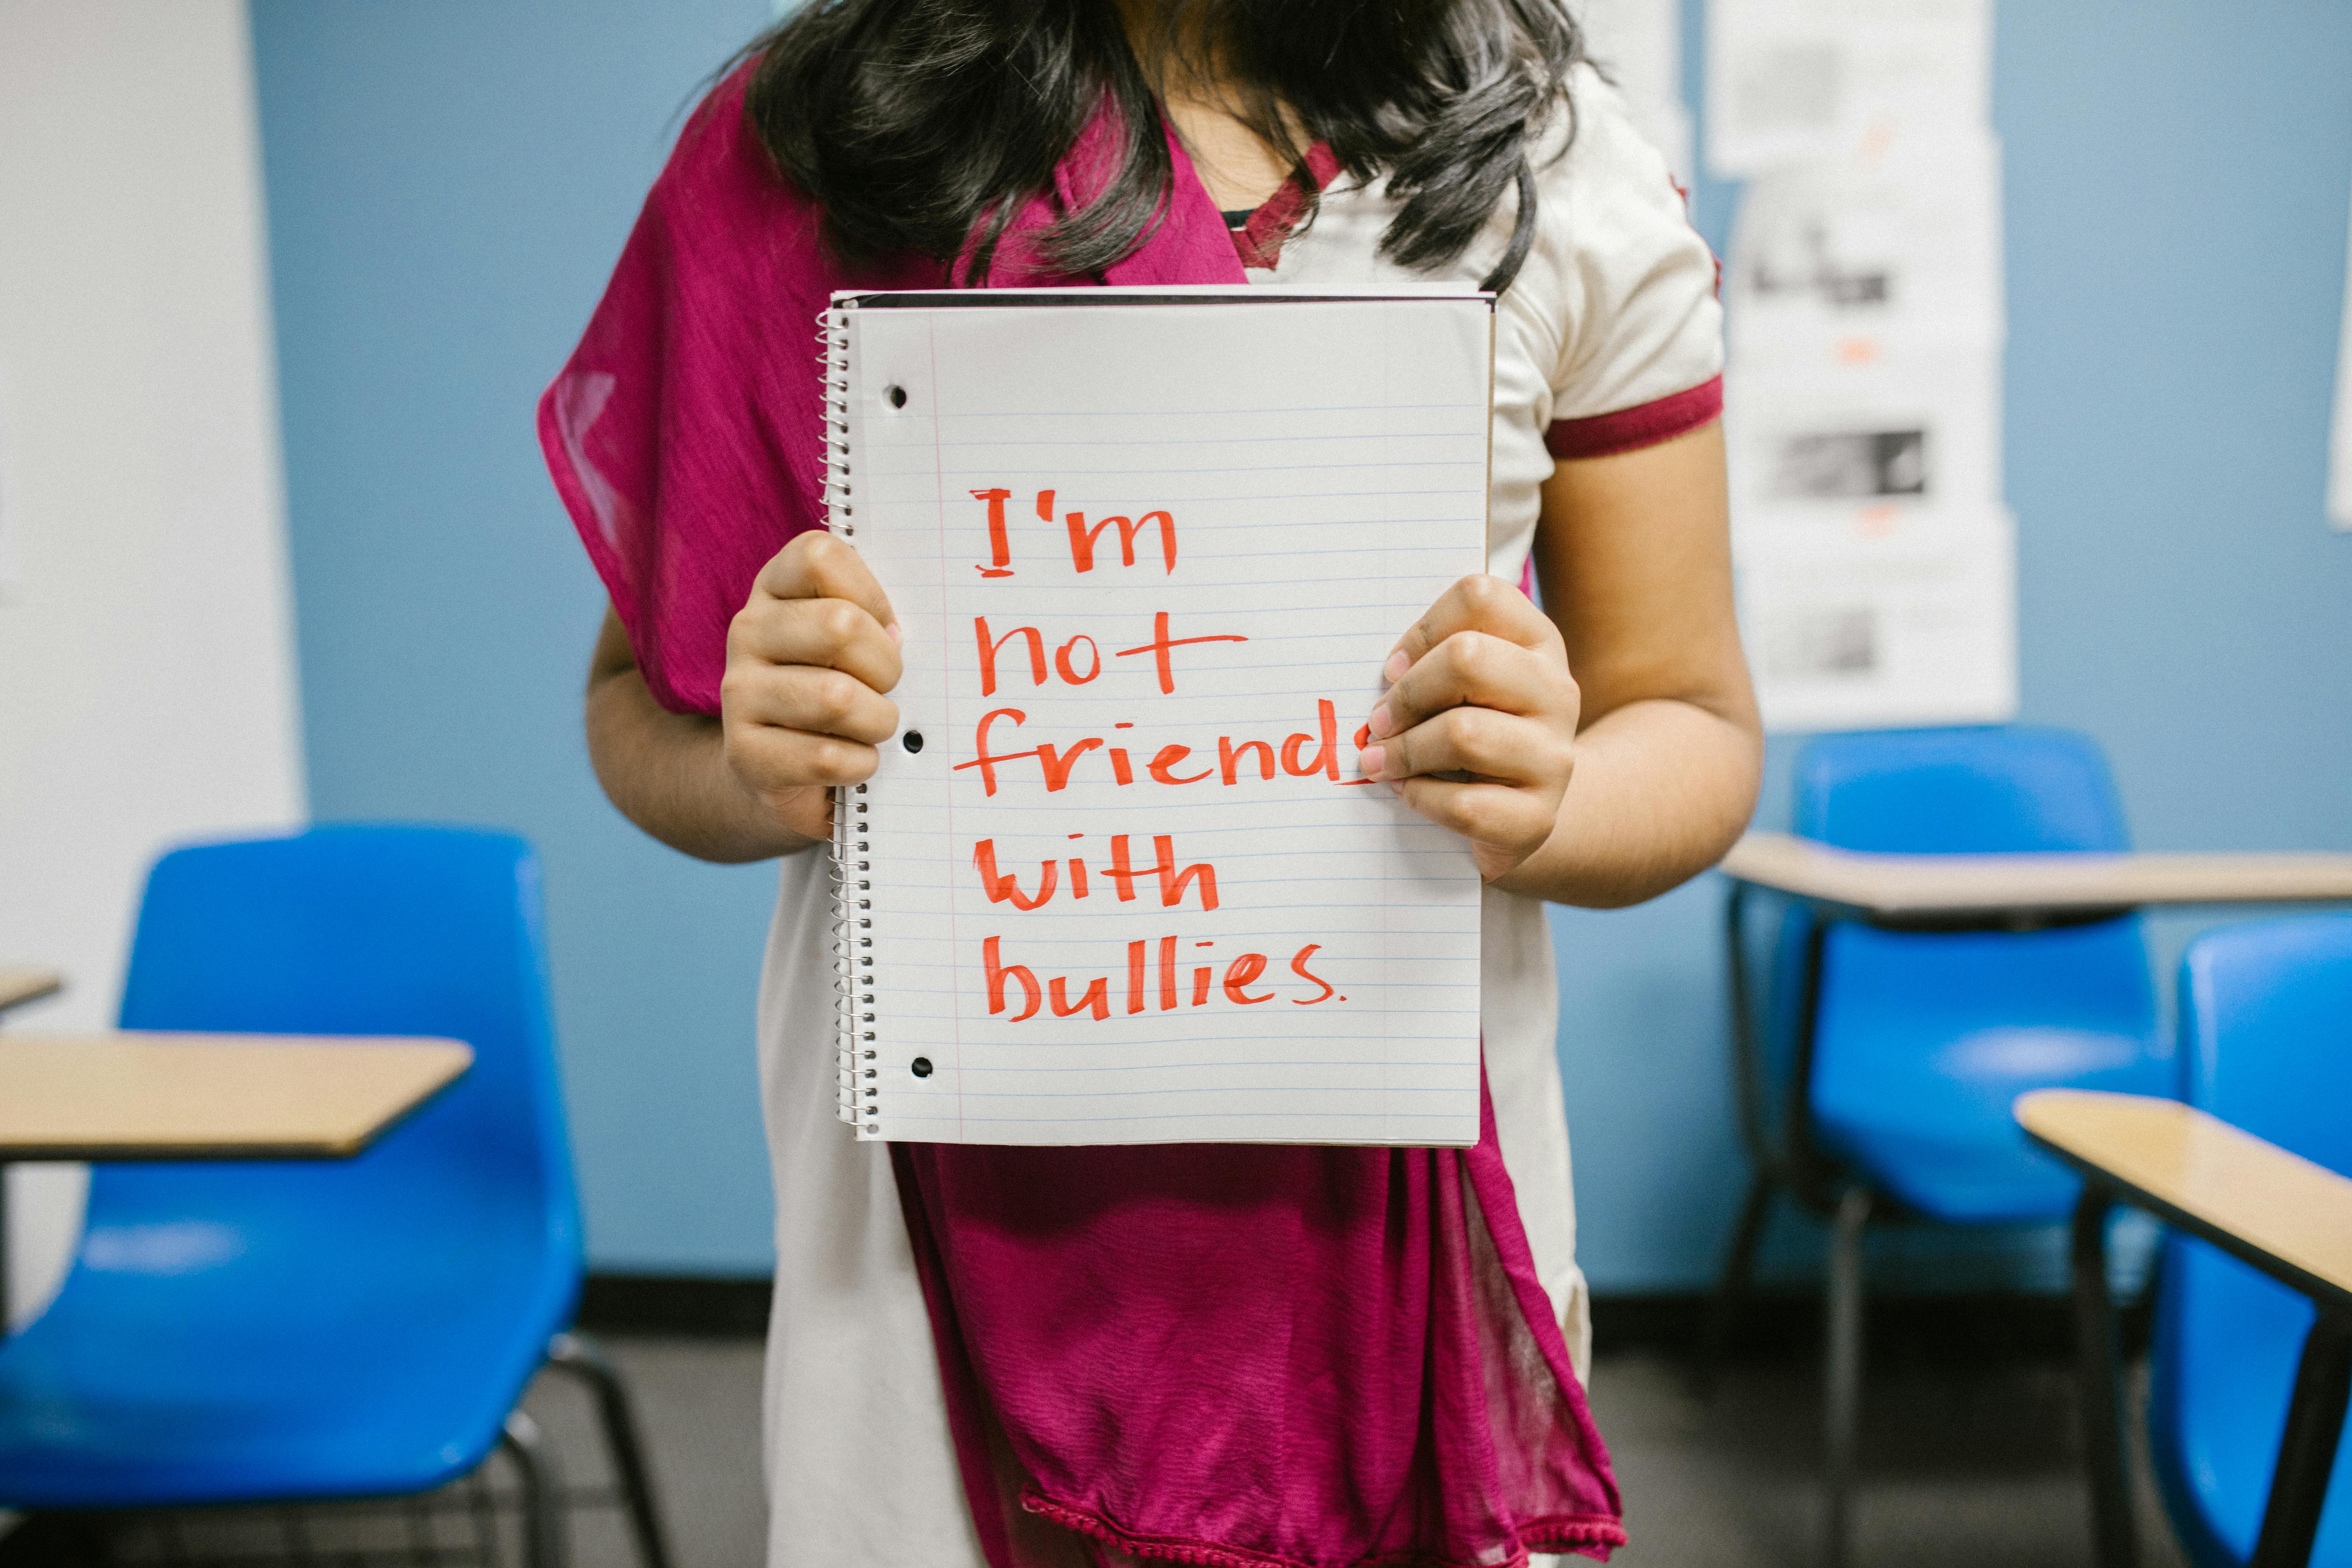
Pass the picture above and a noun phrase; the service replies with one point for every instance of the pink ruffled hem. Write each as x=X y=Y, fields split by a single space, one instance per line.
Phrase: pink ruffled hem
x=1593 y=1536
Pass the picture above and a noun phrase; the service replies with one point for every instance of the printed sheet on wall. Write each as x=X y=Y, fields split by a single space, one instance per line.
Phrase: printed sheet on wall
x=1876 y=559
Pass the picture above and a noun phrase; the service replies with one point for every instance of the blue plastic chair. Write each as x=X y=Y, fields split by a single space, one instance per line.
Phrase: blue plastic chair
x=1899 y=1052
x=2267 y=1029
x=271 y=1332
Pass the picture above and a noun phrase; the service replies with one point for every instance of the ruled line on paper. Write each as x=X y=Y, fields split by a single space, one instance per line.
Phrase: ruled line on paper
x=996 y=445
x=1217 y=413
x=966 y=474
x=1201 y=1116
x=1162 y=1067
x=900 y=991
x=1415 y=606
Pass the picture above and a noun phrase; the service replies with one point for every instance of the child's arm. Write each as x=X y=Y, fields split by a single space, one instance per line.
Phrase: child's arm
x=801 y=709
x=1634 y=686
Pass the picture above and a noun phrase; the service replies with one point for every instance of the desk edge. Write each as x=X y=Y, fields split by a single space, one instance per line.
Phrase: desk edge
x=1967 y=914
x=457 y=1061
x=2322 y=1291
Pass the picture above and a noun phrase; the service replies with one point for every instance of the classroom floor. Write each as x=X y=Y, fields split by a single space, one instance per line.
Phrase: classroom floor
x=1961 y=1468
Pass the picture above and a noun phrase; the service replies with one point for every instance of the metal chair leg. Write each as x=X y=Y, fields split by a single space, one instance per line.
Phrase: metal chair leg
x=582 y=1358
x=1731 y=1290
x=1845 y=1357
x=543 y=1493
x=2315 y=1425
x=2114 y=1541
x=484 y=1516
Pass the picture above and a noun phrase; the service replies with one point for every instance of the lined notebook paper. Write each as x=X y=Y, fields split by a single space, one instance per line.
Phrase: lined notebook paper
x=1119 y=879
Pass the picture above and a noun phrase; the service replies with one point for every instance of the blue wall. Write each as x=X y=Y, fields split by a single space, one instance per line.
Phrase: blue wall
x=448 y=183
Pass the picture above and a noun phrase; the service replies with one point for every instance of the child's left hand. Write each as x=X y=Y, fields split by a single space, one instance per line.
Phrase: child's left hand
x=1480 y=694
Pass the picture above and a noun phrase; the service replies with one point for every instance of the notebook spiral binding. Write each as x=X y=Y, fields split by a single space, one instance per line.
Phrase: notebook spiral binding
x=859 y=1078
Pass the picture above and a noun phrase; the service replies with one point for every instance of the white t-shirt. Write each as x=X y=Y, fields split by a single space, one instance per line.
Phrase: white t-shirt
x=1610 y=338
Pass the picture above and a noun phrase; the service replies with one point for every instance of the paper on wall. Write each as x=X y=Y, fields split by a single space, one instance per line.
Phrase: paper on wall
x=1862 y=406
x=1901 y=245
x=1790 y=81
x=2339 y=453
x=1638 y=43
x=1875 y=557
x=1912 y=624
x=1865 y=425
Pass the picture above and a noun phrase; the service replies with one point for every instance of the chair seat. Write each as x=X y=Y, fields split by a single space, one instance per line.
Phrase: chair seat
x=189 y=1360
x=1960 y=1167
x=1924 y=1042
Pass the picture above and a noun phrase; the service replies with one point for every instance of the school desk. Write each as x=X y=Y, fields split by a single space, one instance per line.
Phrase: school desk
x=2022 y=893
x=133 y=1095
x=2285 y=1216
x=1943 y=893
x=19 y=986
x=124 y=1095
x=1962 y=892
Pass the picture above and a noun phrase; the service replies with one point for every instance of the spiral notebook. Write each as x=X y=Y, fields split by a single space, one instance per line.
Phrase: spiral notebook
x=1119 y=878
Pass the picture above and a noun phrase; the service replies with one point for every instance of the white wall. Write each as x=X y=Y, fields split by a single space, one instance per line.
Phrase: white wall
x=147 y=688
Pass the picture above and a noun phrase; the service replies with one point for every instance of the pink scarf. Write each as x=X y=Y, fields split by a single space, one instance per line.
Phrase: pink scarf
x=1243 y=1356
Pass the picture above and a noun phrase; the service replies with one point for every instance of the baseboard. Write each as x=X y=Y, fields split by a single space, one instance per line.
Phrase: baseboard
x=700 y=1305
x=1964 y=1330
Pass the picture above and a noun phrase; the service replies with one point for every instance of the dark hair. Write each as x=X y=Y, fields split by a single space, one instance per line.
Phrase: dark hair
x=921 y=126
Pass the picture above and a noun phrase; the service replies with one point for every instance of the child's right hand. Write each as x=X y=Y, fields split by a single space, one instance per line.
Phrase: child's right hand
x=808 y=659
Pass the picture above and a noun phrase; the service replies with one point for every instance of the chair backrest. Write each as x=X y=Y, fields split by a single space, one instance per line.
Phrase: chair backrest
x=1981 y=790
x=2004 y=789
x=2266 y=1025
x=1978 y=790
x=371 y=930
x=2267 y=1029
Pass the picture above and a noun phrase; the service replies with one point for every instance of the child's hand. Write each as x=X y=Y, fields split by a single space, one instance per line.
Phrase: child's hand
x=808 y=658
x=1477 y=730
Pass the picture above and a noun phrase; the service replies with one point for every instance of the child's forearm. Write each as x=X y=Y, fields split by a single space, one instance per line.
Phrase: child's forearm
x=1635 y=556
x=1662 y=789
x=667 y=771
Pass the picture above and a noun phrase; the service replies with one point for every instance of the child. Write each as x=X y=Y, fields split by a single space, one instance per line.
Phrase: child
x=1200 y=1354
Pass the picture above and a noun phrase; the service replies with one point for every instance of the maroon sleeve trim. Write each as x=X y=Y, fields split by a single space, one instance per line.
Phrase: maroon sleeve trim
x=1643 y=425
